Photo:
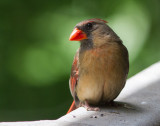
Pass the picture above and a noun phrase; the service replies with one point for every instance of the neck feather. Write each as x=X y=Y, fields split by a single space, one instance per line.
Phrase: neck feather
x=86 y=44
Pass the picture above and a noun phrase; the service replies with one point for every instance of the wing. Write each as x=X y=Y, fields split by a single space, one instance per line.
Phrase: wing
x=74 y=74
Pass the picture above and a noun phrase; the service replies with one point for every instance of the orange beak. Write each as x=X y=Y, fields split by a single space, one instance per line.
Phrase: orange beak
x=77 y=35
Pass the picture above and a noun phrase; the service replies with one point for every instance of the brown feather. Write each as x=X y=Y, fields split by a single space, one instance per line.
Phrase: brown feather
x=74 y=74
x=102 y=73
x=100 y=66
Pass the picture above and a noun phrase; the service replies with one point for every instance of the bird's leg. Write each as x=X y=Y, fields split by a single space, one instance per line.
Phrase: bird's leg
x=88 y=107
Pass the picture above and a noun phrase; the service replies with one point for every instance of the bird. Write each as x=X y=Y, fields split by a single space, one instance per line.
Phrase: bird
x=100 y=66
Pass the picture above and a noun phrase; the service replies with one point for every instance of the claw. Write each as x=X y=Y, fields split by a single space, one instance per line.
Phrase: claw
x=89 y=108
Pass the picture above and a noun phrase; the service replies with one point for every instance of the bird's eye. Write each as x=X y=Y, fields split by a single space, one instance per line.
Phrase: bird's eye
x=89 y=26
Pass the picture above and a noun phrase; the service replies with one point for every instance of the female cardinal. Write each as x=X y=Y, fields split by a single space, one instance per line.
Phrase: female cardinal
x=100 y=66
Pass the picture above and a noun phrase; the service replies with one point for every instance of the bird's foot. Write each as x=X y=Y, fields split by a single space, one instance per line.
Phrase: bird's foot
x=89 y=108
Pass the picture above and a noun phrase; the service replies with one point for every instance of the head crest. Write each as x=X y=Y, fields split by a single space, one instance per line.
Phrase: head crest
x=101 y=20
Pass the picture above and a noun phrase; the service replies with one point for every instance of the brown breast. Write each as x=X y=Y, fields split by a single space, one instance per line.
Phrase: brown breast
x=102 y=73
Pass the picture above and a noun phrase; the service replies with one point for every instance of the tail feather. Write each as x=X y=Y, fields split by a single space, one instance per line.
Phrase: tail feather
x=73 y=107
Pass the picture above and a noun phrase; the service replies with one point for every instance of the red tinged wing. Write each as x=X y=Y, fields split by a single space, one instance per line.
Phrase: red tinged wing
x=73 y=80
x=74 y=74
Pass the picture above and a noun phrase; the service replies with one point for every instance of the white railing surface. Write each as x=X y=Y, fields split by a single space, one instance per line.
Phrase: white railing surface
x=137 y=105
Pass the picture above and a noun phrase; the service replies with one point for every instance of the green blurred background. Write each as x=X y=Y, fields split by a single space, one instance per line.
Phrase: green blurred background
x=36 y=55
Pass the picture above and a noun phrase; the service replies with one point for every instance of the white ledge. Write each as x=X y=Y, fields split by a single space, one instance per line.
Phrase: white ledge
x=137 y=105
